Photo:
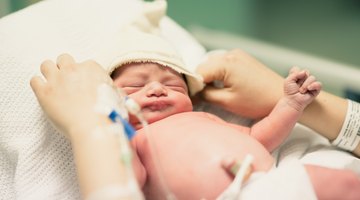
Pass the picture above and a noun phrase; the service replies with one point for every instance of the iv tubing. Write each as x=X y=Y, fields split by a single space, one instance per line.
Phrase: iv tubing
x=165 y=189
x=133 y=108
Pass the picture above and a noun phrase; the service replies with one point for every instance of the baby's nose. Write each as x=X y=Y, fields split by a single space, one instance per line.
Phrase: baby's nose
x=156 y=89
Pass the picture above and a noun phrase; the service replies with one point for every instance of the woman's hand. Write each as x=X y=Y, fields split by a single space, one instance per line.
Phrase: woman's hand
x=68 y=94
x=250 y=88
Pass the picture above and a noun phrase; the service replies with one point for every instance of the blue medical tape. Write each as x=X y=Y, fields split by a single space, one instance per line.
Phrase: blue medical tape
x=128 y=128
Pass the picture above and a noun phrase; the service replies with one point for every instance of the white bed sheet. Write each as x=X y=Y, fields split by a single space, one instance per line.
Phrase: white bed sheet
x=35 y=161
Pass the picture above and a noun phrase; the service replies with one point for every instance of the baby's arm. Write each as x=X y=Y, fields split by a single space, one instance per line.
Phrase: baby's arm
x=300 y=89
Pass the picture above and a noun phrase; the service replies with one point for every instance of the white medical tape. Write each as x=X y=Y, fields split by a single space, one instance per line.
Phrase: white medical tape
x=109 y=99
x=349 y=136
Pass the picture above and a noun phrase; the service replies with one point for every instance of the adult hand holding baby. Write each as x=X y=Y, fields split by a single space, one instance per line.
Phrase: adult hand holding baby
x=250 y=88
x=68 y=93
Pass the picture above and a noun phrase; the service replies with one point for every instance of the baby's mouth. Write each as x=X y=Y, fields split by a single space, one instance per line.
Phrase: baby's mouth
x=152 y=112
x=155 y=106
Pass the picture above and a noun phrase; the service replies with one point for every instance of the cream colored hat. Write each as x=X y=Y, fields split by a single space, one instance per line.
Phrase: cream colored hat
x=136 y=46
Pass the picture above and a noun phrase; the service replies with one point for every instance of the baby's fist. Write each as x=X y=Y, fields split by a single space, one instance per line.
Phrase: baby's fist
x=301 y=88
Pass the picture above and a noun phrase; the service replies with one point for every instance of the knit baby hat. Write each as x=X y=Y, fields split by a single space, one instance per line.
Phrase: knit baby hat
x=135 y=46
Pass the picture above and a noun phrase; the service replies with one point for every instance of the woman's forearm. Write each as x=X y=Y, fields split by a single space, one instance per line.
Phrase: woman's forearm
x=326 y=116
x=97 y=158
x=68 y=93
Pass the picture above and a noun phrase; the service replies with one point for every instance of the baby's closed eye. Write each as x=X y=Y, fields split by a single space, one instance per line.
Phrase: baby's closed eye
x=132 y=87
x=176 y=86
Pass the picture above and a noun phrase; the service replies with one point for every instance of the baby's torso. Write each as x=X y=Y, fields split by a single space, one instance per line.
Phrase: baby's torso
x=188 y=149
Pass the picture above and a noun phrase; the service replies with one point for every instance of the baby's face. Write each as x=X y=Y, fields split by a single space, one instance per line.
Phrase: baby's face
x=160 y=91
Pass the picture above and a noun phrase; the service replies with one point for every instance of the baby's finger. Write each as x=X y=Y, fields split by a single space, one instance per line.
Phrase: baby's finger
x=294 y=69
x=65 y=61
x=48 y=69
x=304 y=87
x=315 y=88
x=296 y=75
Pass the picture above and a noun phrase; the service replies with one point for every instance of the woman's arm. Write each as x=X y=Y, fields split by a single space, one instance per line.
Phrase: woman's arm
x=97 y=158
x=69 y=96
x=326 y=116
x=252 y=90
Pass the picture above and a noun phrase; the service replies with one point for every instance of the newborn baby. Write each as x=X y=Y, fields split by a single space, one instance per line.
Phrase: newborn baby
x=190 y=146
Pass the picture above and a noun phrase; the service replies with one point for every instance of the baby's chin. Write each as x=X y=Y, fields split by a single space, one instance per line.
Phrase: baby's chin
x=150 y=117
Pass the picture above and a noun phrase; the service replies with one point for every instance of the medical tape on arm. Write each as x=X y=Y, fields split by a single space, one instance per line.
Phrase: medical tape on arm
x=349 y=136
x=110 y=102
x=128 y=189
x=110 y=99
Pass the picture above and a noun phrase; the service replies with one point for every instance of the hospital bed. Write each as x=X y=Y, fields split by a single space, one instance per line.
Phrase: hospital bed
x=35 y=161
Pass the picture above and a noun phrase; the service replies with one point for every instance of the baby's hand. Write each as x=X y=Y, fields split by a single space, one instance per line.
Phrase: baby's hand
x=300 y=88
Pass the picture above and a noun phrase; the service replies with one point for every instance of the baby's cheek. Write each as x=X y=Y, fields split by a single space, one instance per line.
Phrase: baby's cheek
x=183 y=106
x=188 y=106
x=136 y=96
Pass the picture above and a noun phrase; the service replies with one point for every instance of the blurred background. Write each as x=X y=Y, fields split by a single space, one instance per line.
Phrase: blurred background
x=327 y=28
x=324 y=30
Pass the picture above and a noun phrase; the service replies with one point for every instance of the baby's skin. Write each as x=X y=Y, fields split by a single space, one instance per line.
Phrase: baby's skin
x=190 y=146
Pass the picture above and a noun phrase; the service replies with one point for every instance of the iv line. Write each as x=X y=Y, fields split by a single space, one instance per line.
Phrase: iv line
x=133 y=108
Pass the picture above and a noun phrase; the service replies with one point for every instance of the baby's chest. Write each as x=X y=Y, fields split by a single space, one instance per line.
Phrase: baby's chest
x=189 y=157
x=196 y=146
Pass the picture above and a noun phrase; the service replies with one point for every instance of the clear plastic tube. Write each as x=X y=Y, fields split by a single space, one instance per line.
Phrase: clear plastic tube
x=134 y=109
x=164 y=188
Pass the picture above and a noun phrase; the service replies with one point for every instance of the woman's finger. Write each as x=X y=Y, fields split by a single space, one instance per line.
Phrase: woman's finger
x=210 y=71
x=216 y=95
x=37 y=84
x=65 y=61
x=48 y=69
